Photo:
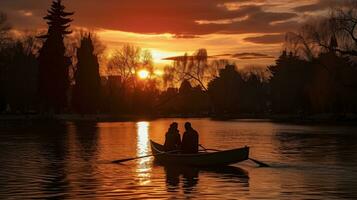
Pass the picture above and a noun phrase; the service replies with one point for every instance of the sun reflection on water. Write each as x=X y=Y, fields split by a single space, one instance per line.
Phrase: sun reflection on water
x=143 y=169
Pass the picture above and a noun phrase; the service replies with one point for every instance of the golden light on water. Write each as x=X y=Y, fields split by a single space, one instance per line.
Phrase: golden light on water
x=143 y=165
x=143 y=138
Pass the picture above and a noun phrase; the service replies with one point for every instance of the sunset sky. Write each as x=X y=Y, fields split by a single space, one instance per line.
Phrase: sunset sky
x=248 y=31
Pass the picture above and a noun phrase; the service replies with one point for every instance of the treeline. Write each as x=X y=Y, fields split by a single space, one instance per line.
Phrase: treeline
x=327 y=84
x=18 y=76
x=316 y=73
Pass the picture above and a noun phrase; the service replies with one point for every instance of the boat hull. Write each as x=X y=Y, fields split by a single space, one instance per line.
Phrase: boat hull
x=202 y=159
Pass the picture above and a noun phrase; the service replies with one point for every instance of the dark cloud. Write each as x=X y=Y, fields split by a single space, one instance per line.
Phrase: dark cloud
x=267 y=39
x=222 y=55
x=310 y=7
x=262 y=22
x=177 y=58
x=323 y=5
x=25 y=14
x=246 y=56
x=179 y=17
x=241 y=56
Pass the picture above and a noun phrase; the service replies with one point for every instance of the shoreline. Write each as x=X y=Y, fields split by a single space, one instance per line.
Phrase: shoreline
x=350 y=119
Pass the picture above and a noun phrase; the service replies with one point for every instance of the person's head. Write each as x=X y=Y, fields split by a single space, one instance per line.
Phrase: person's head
x=188 y=126
x=174 y=126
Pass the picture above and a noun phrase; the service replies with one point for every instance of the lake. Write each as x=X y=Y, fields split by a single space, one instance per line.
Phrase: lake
x=70 y=160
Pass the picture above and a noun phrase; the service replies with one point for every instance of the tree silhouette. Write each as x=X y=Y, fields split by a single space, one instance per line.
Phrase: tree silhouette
x=53 y=64
x=337 y=33
x=125 y=63
x=291 y=76
x=253 y=95
x=225 y=90
x=4 y=30
x=195 y=68
x=185 y=100
x=113 y=93
x=87 y=88
x=333 y=84
x=18 y=82
x=334 y=33
x=185 y=103
x=21 y=79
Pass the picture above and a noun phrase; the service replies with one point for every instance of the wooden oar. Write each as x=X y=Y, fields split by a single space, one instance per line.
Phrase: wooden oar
x=204 y=149
x=208 y=149
x=260 y=163
x=135 y=158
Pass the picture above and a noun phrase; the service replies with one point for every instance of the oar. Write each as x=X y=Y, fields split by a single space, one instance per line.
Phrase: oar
x=204 y=149
x=260 y=163
x=135 y=158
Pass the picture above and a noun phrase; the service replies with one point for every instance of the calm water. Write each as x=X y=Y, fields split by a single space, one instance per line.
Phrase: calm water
x=70 y=161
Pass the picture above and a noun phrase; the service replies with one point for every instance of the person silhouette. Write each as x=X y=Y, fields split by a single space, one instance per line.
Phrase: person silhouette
x=172 y=138
x=189 y=142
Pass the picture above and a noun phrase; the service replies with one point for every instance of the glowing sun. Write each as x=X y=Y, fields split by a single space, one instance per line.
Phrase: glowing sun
x=143 y=74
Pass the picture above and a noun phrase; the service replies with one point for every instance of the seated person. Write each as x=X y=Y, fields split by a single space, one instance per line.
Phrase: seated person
x=189 y=140
x=172 y=138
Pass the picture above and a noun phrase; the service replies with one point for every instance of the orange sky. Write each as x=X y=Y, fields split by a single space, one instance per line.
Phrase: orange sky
x=250 y=31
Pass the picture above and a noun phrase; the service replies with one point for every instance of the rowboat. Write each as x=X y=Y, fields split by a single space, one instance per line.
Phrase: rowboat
x=201 y=159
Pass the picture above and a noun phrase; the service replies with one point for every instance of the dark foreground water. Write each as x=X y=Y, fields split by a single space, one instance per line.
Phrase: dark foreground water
x=70 y=161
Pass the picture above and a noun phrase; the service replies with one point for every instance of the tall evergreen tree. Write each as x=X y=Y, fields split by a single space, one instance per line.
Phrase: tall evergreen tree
x=86 y=92
x=53 y=64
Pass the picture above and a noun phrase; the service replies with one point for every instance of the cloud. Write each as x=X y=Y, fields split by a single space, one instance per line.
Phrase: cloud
x=183 y=36
x=222 y=55
x=267 y=39
x=242 y=56
x=246 y=56
x=323 y=5
x=178 y=58
x=178 y=17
